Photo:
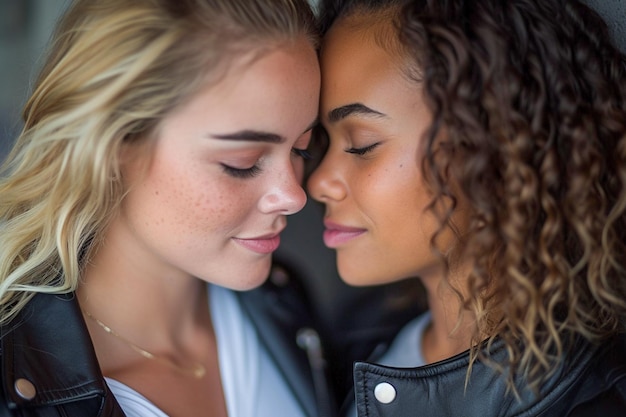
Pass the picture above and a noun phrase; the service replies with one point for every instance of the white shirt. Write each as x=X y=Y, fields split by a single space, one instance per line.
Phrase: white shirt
x=406 y=349
x=133 y=403
x=252 y=385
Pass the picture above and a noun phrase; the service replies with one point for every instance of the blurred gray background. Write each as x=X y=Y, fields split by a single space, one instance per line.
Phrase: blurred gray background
x=25 y=27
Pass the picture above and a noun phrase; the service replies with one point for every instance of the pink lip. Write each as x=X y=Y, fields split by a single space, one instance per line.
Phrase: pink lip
x=336 y=234
x=263 y=244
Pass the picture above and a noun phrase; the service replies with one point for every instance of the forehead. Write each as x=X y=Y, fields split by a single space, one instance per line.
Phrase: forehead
x=361 y=63
x=275 y=92
x=369 y=37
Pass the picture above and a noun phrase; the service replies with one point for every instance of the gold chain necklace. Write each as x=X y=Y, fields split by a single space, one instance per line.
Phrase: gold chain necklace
x=197 y=371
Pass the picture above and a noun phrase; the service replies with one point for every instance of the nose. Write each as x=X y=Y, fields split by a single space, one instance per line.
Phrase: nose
x=285 y=195
x=325 y=183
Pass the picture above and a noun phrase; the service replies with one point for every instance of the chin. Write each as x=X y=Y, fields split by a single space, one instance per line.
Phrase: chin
x=253 y=277
x=245 y=284
x=365 y=275
x=360 y=277
x=243 y=278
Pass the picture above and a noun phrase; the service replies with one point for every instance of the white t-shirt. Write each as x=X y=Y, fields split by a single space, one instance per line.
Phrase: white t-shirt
x=252 y=385
x=133 y=403
x=406 y=349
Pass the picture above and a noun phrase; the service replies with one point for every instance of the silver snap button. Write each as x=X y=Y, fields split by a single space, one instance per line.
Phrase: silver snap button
x=25 y=389
x=385 y=392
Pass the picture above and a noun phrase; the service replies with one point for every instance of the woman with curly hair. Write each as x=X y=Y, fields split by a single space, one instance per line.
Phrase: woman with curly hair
x=161 y=155
x=481 y=146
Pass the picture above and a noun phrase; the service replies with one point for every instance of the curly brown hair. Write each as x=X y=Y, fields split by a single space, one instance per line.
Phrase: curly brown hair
x=532 y=98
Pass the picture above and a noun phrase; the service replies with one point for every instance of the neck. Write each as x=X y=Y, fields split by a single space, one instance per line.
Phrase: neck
x=450 y=331
x=148 y=301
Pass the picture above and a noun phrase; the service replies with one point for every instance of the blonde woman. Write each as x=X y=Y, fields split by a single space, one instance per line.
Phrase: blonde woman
x=481 y=146
x=162 y=150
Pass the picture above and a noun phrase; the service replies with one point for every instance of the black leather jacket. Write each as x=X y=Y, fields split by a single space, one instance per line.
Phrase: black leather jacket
x=590 y=382
x=49 y=367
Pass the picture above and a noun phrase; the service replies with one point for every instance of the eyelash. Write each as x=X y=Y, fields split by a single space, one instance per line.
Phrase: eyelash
x=253 y=171
x=243 y=173
x=362 y=151
x=302 y=153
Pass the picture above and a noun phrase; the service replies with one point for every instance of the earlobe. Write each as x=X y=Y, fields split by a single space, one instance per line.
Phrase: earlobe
x=134 y=158
x=126 y=154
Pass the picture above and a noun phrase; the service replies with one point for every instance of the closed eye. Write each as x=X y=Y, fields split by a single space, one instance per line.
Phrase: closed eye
x=363 y=150
x=242 y=173
x=302 y=153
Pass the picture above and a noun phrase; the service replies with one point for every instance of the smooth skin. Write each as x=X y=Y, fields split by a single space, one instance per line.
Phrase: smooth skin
x=207 y=200
x=370 y=179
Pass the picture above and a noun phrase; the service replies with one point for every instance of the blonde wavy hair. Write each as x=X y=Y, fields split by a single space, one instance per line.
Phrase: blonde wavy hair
x=115 y=69
x=530 y=98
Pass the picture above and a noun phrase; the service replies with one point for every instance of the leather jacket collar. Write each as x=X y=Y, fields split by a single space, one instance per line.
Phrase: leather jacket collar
x=48 y=363
x=440 y=389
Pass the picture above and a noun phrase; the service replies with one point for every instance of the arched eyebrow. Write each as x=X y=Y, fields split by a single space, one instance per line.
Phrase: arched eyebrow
x=342 y=112
x=250 y=136
x=256 y=135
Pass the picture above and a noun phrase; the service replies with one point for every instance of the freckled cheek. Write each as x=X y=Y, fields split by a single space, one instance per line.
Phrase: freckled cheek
x=211 y=206
x=215 y=204
x=179 y=195
x=195 y=202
